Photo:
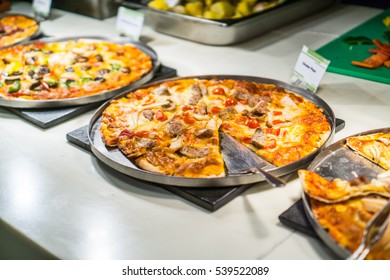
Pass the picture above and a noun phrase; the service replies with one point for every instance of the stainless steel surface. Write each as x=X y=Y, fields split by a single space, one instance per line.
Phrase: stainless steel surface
x=99 y=9
x=22 y=103
x=373 y=232
x=31 y=37
x=338 y=161
x=241 y=160
x=227 y=32
x=115 y=159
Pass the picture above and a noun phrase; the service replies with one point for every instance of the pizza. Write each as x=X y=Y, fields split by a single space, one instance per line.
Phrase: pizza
x=338 y=189
x=375 y=147
x=173 y=127
x=344 y=208
x=16 y=28
x=346 y=221
x=69 y=69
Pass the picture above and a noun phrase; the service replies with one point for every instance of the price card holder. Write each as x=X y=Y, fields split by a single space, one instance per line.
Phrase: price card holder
x=309 y=70
x=129 y=23
x=41 y=8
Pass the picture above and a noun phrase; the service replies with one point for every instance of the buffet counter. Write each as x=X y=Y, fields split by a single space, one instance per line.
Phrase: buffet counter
x=61 y=198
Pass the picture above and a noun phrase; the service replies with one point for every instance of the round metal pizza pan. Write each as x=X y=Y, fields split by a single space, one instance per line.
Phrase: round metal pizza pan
x=115 y=159
x=28 y=38
x=339 y=161
x=31 y=104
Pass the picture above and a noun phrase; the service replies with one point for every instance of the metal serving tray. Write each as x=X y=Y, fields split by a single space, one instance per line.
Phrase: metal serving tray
x=227 y=32
x=339 y=161
x=22 y=103
x=115 y=159
x=28 y=38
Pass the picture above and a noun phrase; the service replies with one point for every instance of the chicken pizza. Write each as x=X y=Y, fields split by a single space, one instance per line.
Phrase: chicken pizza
x=173 y=127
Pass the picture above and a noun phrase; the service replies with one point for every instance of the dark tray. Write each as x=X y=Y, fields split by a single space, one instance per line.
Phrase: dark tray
x=208 y=198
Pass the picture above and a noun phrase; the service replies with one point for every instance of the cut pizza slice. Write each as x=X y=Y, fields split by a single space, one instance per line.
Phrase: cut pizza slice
x=375 y=147
x=201 y=150
x=338 y=190
x=346 y=221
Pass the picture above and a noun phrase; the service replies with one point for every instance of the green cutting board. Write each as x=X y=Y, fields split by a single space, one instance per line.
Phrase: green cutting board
x=341 y=54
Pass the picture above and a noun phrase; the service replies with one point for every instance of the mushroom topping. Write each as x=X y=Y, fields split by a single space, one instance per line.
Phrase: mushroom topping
x=80 y=58
x=194 y=99
x=30 y=60
x=103 y=71
x=85 y=67
x=204 y=133
x=174 y=128
x=99 y=58
x=43 y=69
x=240 y=95
x=162 y=90
x=170 y=105
x=193 y=152
x=259 y=138
x=260 y=108
x=196 y=94
x=125 y=70
x=146 y=143
x=227 y=114
x=148 y=114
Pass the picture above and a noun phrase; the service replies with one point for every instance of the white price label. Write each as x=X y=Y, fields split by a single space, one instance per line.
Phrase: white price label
x=129 y=22
x=41 y=7
x=309 y=70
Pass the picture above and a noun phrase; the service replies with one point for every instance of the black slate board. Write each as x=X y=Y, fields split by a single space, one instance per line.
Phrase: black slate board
x=208 y=198
x=212 y=198
x=46 y=118
x=295 y=218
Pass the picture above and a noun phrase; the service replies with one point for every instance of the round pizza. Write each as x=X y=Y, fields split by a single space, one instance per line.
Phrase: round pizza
x=69 y=69
x=173 y=127
x=16 y=28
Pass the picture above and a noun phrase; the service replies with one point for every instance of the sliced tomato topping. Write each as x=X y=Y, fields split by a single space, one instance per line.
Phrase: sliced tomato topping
x=253 y=123
x=127 y=133
x=215 y=110
x=277 y=113
x=276 y=122
x=246 y=139
x=160 y=116
x=230 y=102
x=242 y=120
x=188 y=119
x=271 y=144
x=187 y=108
x=142 y=133
x=218 y=91
x=274 y=131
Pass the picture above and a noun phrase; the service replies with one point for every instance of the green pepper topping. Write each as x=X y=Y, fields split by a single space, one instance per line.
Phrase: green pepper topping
x=86 y=79
x=116 y=67
x=14 y=87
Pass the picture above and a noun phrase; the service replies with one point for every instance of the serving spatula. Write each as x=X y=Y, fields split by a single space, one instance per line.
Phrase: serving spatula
x=241 y=160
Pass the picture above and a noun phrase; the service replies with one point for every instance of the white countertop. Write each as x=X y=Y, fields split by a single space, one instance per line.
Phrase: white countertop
x=61 y=198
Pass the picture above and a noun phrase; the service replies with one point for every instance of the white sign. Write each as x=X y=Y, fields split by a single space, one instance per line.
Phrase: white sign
x=41 y=7
x=129 y=22
x=309 y=70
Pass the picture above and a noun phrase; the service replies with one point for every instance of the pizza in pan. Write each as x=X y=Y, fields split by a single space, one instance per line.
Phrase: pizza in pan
x=375 y=147
x=69 y=69
x=343 y=208
x=16 y=28
x=173 y=127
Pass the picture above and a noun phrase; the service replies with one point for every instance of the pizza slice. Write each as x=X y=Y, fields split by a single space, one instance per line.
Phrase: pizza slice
x=338 y=190
x=346 y=221
x=375 y=147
